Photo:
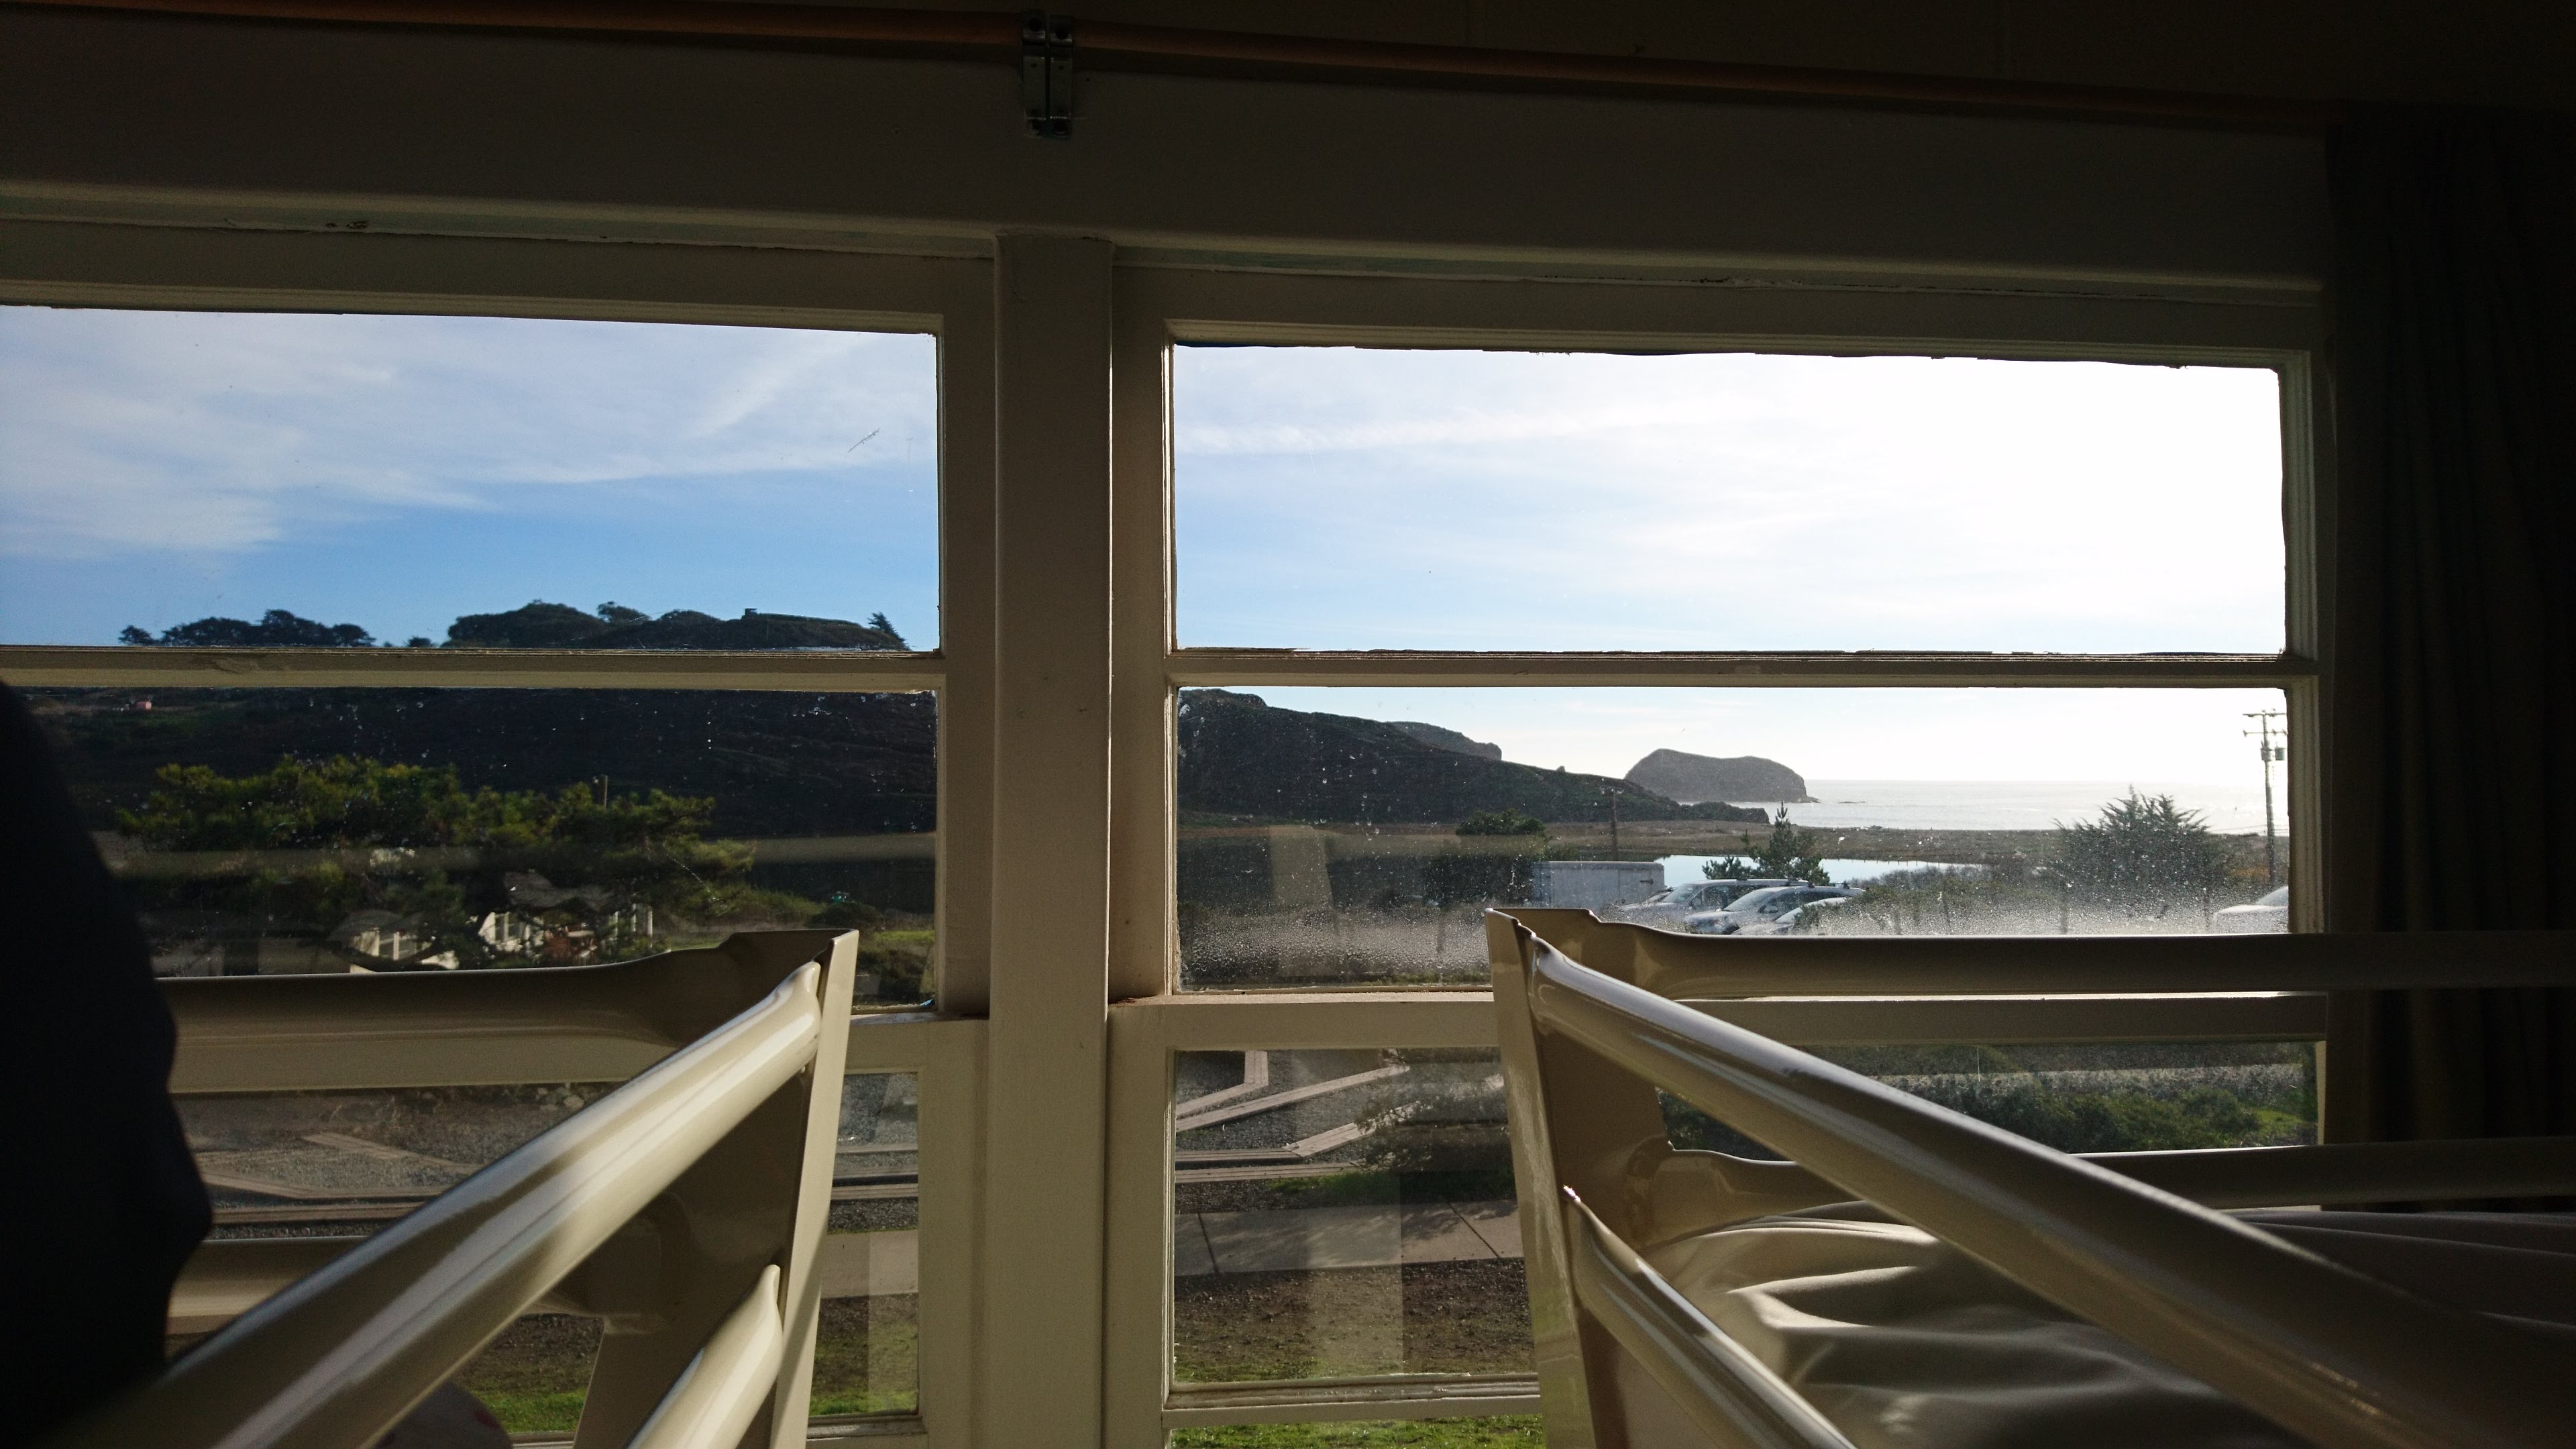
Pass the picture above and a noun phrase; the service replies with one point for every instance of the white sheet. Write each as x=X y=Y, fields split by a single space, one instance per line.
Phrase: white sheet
x=1906 y=1343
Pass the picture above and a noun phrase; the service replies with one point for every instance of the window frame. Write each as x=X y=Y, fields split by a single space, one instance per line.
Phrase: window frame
x=998 y=1208
x=949 y=298
x=1158 y=308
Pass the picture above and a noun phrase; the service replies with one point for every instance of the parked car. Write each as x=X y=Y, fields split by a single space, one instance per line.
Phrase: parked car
x=2271 y=913
x=1667 y=908
x=1799 y=918
x=1763 y=908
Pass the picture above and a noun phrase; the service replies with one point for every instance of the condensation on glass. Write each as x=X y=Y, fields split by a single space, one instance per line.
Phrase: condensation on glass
x=294 y=831
x=1342 y=1213
x=2085 y=1097
x=354 y=481
x=1363 y=498
x=1351 y=837
x=867 y=1346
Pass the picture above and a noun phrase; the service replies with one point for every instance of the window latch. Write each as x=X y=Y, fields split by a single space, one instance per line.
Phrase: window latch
x=1046 y=75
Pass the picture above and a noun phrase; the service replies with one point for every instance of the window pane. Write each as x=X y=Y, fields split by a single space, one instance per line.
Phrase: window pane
x=866 y=1353
x=300 y=830
x=480 y=481
x=344 y=1164
x=1361 y=498
x=341 y=1165
x=1351 y=836
x=1341 y=1213
x=2086 y=1097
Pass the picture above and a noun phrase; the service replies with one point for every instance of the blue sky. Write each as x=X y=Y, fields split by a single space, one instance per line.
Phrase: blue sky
x=1354 y=499
x=396 y=472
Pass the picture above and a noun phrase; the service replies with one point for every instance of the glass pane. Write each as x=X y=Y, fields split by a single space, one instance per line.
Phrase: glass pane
x=1350 y=836
x=866 y=1354
x=1353 y=498
x=1509 y=1431
x=302 y=830
x=2086 y=1097
x=1343 y=1212
x=344 y=1164
x=269 y=478
x=536 y=1375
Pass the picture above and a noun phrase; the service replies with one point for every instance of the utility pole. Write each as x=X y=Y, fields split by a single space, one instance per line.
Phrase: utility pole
x=1613 y=797
x=2262 y=732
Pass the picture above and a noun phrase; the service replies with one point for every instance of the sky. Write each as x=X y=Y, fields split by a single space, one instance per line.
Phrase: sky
x=395 y=472
x=1348 y=498
x=2145 y=737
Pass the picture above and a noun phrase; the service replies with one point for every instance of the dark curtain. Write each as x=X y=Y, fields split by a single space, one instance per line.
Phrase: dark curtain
x=2452 y=701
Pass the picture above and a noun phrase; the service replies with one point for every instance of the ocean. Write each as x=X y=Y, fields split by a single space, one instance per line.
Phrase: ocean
x=2021 y=804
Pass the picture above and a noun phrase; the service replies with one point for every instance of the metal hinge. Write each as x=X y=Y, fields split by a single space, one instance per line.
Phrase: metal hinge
x=1046 y=74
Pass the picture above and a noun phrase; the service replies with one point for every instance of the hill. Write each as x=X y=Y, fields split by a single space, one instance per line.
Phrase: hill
x=1447 y=739
x=1706 y=777
x=775 y=764
x=1240 y=757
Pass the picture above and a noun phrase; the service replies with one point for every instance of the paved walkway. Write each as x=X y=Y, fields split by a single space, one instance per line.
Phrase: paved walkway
x=858 y=1264
x=1347 y=1237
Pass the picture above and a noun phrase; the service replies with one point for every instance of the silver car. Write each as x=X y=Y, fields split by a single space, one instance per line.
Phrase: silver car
x=1666 y=909
x=1762 y=909
x=2271 y=913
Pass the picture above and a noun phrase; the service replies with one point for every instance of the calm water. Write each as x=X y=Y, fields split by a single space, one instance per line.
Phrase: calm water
x=2021 y=804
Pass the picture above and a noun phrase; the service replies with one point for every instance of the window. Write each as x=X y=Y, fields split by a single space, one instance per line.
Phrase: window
x=248 y=479
x=1350 y=837
x=504 y=572
x=1361 y=498
x=1426 y=595
x=1857 y=638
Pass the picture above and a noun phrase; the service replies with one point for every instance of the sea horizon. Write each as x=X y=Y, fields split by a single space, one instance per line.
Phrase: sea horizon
x=2227 y=809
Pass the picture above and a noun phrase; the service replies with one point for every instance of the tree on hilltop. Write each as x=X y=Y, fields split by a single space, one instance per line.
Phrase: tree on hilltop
x=276 y=629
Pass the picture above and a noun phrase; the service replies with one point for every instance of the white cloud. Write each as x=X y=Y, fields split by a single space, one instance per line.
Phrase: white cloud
x=1354 y=498
x=212 y=433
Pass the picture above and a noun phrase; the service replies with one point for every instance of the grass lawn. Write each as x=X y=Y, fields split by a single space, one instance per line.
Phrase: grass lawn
x=1515 y=1431
x=1454 y=1317
x=536 y=1373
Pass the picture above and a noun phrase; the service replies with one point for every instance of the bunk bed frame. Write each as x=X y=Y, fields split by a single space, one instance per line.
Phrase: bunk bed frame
x=1598 y=1018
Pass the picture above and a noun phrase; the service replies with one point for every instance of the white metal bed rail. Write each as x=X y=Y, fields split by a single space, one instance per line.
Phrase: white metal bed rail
x=2328 y=1353
x=685 y=1206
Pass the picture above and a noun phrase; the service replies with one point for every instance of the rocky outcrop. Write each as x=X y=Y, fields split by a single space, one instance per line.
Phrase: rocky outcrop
x=1745 y=778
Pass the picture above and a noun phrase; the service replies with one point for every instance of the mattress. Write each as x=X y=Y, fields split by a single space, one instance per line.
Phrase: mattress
x=1906 y=1343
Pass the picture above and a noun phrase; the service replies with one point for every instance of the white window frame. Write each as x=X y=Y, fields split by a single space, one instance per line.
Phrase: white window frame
x=1047 y=1079
x=186 y=269
x=1158 y=308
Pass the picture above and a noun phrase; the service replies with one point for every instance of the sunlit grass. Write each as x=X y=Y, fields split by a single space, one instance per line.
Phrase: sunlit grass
x=1515 y=1431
